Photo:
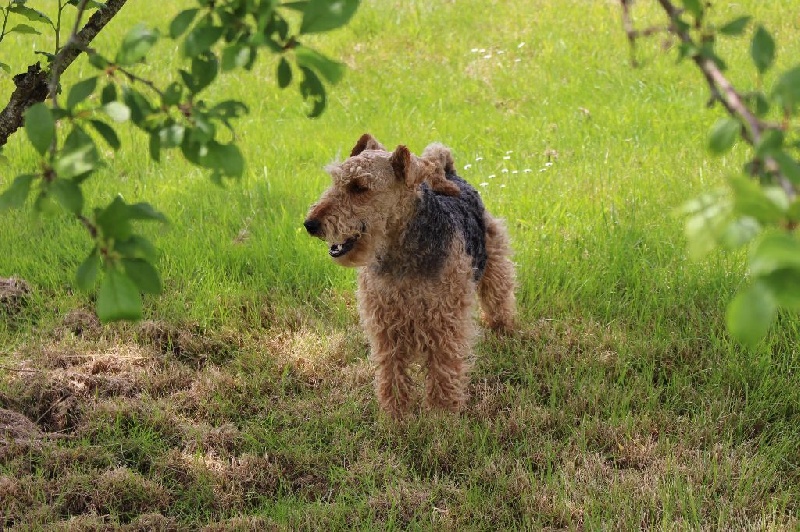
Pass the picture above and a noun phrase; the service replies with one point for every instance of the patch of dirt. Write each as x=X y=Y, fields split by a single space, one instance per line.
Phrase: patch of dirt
x=80 y=323
x=14 y=295
x=127 y=494
x=242 y=524
x=189 y=343
x=55 y=398
x=153 y=522
x=16 y=431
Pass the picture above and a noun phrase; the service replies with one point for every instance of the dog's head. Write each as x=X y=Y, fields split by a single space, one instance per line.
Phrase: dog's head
x=371 y=198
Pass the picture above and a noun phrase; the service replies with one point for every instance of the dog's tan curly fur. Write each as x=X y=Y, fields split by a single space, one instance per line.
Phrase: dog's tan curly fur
x=416 y=301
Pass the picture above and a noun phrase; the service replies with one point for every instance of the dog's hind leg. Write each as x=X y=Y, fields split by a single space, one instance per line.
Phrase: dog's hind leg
x=496 y=287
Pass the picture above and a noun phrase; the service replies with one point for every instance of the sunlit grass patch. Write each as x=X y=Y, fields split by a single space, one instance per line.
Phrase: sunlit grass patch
x=245 y=398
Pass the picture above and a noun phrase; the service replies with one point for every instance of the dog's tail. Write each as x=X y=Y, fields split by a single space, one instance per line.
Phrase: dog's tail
x=441 y=154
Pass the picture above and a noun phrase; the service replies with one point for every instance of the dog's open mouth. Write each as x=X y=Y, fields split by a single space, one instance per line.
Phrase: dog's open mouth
x=340 y=250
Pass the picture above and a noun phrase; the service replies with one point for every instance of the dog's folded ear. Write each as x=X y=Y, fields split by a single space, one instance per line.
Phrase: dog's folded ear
x=414 y=171
x=440 y=153
x=366 y=142
x=401 y=164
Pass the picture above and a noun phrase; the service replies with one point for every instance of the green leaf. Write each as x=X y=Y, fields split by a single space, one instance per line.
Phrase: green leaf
x=787 y=89
x=751 y=313
x=108 y=94
x=40 y=127
x=137 y=246
x=331 y=70
x=145 y=211
x=770 y=141
x=762 y=49
x=785 y=287
x=313 y=92
x=15 y=195
x=68 y=194
x=736 y=26
x=154 y=145
x=739 y=232
x=98 y=61
x=5 y=67
x=284 y=73
x=231 y=160
x=171 y=136
x=136 y=44
x=114 y=220
x=204 y=70
x=118 y=298
x=750 y=199
x=107 y=132
x=723 y=135
x=31 y=14
x=695 y=7
x=201 y=39
x=236 y=56
x=143 y=274
x=788 y=165
x=775 y=251
x=181 y=22
x=203 y=130
x=172 y=94
x=117 y=111
x=80 y=91
x=326 y=15
x=24 y=29
x=86 y=276
x=139 y=105
x=78 y=156
x=707 y=216
x=229 y=109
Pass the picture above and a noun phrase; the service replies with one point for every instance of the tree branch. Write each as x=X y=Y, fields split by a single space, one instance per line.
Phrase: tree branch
x=725 y=92
x=32 y=86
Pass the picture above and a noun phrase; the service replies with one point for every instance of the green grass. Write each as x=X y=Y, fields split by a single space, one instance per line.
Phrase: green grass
x=245 y=399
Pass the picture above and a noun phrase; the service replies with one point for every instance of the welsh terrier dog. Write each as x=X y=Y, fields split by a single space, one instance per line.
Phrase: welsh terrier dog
x=425 y=247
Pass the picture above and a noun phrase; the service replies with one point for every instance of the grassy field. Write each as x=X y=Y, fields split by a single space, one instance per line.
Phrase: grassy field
x=244 y=400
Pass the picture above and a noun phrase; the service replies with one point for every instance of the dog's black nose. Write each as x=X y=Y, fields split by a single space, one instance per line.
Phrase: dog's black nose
x=314 y=227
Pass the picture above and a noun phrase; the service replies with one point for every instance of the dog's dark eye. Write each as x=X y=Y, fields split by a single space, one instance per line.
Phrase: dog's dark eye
x=355 y=187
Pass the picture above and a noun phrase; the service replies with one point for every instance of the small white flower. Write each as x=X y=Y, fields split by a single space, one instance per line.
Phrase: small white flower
x=474 y=50
x=509 y=151
x=500 y=52
x=504 y=170
x=542 y=169
x=514 y=171
x=478 y=158
x=506 y=157
x=503 y=185
x=484 y=185
x=528 y=170
x=487 y=56
x=482 y=50
x=517 y=60
x=520 y=45
x=492 y=176
x=548 y=164
x=467 y=166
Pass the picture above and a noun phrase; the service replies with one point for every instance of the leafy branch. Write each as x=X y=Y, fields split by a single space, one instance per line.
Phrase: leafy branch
x=215 y=37
x=761 y=208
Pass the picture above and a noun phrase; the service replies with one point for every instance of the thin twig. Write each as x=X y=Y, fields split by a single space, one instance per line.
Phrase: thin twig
x=56 y=67
x=721 y=90
x=133 y=77
x=19 y=370
x=632 y=33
